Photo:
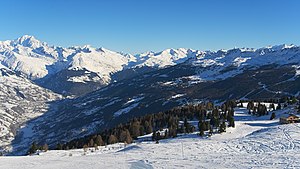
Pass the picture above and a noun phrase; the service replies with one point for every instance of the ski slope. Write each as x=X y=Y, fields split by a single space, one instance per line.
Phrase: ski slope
x=256 y=142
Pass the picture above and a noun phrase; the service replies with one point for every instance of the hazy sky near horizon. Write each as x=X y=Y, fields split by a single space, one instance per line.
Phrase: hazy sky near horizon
x=136 y=26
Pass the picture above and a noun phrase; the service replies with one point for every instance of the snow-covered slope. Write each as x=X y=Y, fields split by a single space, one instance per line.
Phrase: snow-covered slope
x=37 y=59
x=256 y=142
x=165 y=58
x=20 y=101
x=228 y=63
x=101 y=61
x=44 y=63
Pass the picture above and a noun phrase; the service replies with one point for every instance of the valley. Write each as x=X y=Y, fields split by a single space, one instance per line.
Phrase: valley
x=77 y=91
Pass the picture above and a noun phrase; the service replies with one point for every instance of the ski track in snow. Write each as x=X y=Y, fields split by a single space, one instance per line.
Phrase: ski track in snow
x=256 y=142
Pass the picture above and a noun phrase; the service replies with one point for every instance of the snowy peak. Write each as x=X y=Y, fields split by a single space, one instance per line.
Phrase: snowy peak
x=101 y=61
x=164 y=58
x=280 y=47
x=28 y=41
x=37 y=60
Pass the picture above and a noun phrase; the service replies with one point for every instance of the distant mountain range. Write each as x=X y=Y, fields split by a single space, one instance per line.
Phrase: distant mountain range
x=79 y=70
x=108 y=88
x=77 y=66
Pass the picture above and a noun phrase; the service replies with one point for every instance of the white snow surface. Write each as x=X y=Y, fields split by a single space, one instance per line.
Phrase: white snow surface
x=37 y=59
x=256 y=142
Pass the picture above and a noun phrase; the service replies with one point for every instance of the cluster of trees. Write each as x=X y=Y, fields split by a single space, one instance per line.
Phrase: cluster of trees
x=284 y=100
x=211 y=119
x=162 y=125
x=289 y=100
x=34 y=147
x=259 y=109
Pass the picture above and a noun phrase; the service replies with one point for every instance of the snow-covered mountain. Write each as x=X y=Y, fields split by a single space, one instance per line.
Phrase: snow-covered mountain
x=37 y=59
x=168 y=57
x=41 y=62
x=87 y=68
x=125 y=85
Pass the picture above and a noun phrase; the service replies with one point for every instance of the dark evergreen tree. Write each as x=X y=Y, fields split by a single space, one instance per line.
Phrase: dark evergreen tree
x=172 y=132
x=33 y=148
x=202 y=128
x=278 y=106
x=273 y=116
x=222 y=127
x=135 y=129
x=99 y=141
x=154 y=138
x=148 y=127
x=250 y=106
x=272 y=106
x=125 y=137
x=91 y=143
x=231 y=122
x=59 y=146
x=45 y=147
x=211 y=130
x=112 y=139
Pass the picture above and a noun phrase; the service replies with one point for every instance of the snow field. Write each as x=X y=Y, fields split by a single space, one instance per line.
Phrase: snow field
x=256 y=142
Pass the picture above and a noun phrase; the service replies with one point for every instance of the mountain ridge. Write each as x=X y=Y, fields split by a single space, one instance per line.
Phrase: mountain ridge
x=112 y=87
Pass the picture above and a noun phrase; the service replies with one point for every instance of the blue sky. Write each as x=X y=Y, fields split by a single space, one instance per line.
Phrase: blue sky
x=141 y=25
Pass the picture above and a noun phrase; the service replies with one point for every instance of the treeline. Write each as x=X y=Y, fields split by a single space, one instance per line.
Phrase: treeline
x=286 y=100
x=35 y=147
x=260 y=109
x=211 y=119
x=257 y=108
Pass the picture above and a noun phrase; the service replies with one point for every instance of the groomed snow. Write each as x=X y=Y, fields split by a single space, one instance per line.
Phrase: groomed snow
x=256 y=142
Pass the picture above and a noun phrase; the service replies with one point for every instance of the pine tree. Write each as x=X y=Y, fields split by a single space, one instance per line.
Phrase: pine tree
x=112 y=139
x=99 y=141
x=202 y=128
x=172 y=132
x=158 y=137
x=148 y=127
x=166 y=134
x=209 y=105
x=272 y=106
x=154 y=138
x=45 y=147
x=142 y=130
x=273 y=116
x=186 y=126
x=211 y=130
x=91 y=143
x=125 y=137
x=231 y=122
x=222 y=127
x=278 y=106
x=241 y=103
x=96 y=146
x=33 y=148
x=294 y=100
x=59 y=146
x=85 y=148
x=135 y=129
x=250 y=106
